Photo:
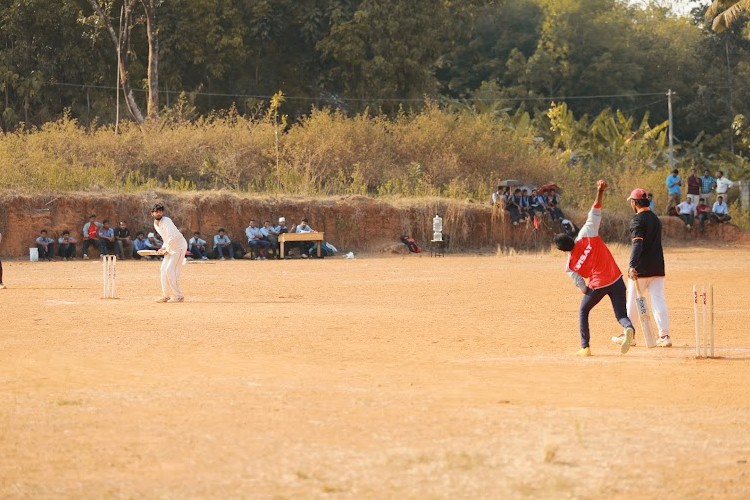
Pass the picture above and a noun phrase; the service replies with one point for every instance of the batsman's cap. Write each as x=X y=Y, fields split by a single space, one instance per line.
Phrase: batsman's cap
x=282 y=219
x=638 y=194
x=157 y=206
x=151 y=235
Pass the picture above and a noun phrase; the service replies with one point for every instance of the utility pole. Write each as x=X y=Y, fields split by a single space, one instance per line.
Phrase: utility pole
x=671 y=129
x=117 y=85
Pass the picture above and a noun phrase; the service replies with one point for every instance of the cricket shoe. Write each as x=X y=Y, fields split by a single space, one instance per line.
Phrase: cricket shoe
x=176 y=299
x=2 y=286
x=584 y=352
x=664 y=341
x=628 y=340
x=163 y=299
x=619 y=339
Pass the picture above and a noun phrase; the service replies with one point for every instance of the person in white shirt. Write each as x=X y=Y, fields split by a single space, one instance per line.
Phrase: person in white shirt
x=173 y=250
x=686 y=212
x=720 y=211
x=304 y=246
x=197 y=246
x=722 y=185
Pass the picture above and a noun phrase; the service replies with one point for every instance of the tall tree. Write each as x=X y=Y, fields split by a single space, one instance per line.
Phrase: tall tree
x=726 y=12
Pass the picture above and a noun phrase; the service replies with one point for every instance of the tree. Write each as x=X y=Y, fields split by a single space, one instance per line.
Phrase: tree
x=726 y=12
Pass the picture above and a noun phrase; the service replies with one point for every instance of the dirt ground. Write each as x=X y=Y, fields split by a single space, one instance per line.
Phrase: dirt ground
x=378 y=377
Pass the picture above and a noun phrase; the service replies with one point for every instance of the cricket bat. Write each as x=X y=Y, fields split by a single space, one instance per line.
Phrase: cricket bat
x=645 y=317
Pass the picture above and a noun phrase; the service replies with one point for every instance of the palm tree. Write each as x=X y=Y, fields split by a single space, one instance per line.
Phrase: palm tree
x=725 y=12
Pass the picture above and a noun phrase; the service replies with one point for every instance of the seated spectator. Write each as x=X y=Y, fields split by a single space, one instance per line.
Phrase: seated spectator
x=304 y=246
x=497 y=196
x=256 y=241
x=513 y=207
x=720 y=211
x=44 y=245
x=197 y=246
x=271 y=234
x=536 y=204
x=122 y=239
x=154 y=242
x=66 y=246
x=223 y=245
x=90 y=235
x=552 y=205
x=569 y=228
x=526 y=210
x=140 y=243
x=703 y=213
x=686 y=212
x=106 y=239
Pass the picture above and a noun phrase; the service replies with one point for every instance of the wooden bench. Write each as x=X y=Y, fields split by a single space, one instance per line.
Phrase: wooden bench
x=289 y=237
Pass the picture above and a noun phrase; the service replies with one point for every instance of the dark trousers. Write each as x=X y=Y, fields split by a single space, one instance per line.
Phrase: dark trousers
x=45 y=252
x=66 y=250
x=616 y=292
x=87 y=242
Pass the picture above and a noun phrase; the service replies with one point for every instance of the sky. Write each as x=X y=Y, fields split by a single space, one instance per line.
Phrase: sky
x=679 y=6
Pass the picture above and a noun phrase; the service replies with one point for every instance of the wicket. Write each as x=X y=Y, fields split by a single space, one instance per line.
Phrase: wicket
x=109 y=269
x=704 y=326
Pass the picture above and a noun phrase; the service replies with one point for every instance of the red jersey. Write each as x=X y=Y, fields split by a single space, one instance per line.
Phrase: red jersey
x=590 y=257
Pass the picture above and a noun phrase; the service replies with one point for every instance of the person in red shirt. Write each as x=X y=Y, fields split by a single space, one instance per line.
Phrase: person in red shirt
x=591 y=259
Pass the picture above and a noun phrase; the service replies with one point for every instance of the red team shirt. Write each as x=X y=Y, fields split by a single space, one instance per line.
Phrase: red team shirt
x=590 y=257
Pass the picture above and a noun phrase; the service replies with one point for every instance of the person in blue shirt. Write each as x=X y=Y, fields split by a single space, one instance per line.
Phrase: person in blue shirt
x=223 y=245
x=106 y=239
x=708 y=182
x=674 y=191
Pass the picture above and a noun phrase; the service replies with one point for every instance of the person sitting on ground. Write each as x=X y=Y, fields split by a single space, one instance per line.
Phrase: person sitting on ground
x=686 y=212
x=44 y=245
x=122 y=239
x=66 y=246
x=553 y=200
x=197 y=246
x=223 y=245
x=255 y=240
x=154 y=242
x=106 y=239
x=91 y=235
x=140 y=243
x=720 y=211
x=703 y=213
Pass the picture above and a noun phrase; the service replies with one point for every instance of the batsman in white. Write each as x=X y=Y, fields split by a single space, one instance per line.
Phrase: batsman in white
x=173 y=250
x=590 y=259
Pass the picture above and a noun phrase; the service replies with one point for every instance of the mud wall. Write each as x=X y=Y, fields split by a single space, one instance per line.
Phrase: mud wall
x=355 y=223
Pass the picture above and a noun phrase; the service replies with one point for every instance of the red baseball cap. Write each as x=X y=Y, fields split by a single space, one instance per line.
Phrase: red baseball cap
x=638 y=194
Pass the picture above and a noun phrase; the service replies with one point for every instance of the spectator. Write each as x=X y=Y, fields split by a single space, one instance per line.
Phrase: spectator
x=122 y=239
x=66 y=246
x=90 y=235
x=140 y=243
x=674 y=191
x=651 y=204
x=703 y=213
x=106 y=239
x=536 y=203
x=282 y=229
x=553 y=201
x=154 y=243
x=708 y=182
x=197 y=246
x=686 y=212
x=526 y=204
x=720 y=211
x=223 y=245
x=694 y=188
x=271 y=234
x=497 y=196
x=256 y=241
x=303 y=227
x=513 y=207
x=722 y=185
x=44 y=245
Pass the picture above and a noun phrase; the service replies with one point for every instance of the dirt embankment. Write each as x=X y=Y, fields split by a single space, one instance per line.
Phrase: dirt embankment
x=354 y=223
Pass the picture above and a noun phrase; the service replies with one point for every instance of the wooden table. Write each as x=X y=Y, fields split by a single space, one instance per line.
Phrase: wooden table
x=287 y=237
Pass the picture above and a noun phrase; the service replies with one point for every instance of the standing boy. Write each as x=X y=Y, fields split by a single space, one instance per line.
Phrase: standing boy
x=173 y=250
x=590 y=259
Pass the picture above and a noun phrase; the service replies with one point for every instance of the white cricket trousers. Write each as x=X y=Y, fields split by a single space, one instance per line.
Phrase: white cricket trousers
x=170 y=274
x=653 y=288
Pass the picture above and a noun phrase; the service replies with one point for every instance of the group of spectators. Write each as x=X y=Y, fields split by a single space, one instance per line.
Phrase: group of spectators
x=700 y=192
x=522 y=205
x=262 y=241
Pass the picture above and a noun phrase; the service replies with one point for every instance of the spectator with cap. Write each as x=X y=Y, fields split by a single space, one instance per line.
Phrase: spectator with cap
x=90 y=235
x=153 y=242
